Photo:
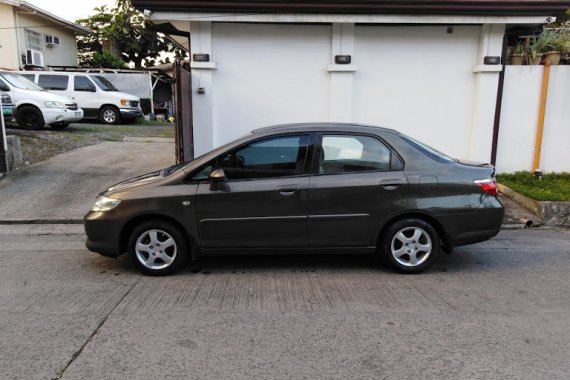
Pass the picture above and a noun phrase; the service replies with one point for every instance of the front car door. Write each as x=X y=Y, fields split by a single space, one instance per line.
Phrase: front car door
x=85 y=94
x=358 y=183
x=263 y=200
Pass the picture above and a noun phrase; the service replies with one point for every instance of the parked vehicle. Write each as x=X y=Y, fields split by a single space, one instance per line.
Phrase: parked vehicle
x=301 y=188
x=94 y=94
x=7 y=107
x=35 y=107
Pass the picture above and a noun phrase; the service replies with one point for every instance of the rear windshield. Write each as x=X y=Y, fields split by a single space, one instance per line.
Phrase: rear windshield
x=427 y=150
x=103 y=83
x=20 y=82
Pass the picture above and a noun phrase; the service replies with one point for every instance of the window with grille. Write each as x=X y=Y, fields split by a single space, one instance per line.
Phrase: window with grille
x=34 y=40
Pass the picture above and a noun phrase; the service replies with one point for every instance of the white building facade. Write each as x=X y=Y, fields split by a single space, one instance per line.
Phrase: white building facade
x=431 y=76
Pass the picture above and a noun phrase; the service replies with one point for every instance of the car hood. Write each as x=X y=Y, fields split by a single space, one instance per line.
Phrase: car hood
x=130 y=183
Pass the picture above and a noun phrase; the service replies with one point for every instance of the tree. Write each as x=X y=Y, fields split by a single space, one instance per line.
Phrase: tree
x=121 y=31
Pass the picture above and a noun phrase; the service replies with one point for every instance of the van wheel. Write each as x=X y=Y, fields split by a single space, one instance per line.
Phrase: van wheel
x=29 y=117
x=109 y=115
x=59 y=126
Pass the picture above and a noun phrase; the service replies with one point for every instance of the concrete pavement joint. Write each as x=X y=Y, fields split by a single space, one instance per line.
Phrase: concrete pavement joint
x=41 y=221
x=77 y=353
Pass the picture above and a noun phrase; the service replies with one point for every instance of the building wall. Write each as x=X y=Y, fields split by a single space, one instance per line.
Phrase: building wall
x=8 y=42
x=63 y=55
x=426 y=81
x=519 y=120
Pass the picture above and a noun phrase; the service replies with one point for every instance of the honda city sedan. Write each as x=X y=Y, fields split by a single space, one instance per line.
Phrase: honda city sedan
x=304 y=188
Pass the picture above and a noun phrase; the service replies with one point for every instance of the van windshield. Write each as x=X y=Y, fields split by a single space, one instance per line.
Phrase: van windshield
x=103 y=83
x=20 y=82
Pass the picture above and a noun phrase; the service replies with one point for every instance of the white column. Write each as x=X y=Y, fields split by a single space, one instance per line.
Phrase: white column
x=485 y=97
x=202 y=79
x=340 y=105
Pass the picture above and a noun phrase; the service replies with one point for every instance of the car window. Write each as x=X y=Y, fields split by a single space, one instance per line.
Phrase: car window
x=81 y=83
x=427 y=150
x=272 y=157
x=53 y=82
x=351 y=153
x=29 y=77
x=20 y=82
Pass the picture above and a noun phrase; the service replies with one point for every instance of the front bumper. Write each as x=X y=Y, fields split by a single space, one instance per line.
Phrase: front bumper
x=129 y=113
x=60 y=115
x=103 y=235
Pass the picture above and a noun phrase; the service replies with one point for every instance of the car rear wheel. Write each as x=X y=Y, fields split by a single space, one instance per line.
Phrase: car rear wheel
x=29 y=117
x=158 y=247
x=410 y=245
x=109 y=115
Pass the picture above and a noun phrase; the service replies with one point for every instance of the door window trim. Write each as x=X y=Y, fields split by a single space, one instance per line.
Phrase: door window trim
x=309 y=154
x=318 y=147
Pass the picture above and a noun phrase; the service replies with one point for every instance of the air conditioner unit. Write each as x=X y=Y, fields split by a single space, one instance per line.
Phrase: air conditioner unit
x=52 y=41
x=34 y=57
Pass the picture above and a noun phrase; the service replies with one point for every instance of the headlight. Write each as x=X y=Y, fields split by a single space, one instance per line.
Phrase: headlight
x=105 y=204
x=54 y=105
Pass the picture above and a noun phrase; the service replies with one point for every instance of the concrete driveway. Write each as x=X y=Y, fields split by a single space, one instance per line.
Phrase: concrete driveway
x=65 y=186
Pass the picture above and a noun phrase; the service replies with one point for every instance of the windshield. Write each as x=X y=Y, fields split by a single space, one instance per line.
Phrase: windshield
x=20 y=82
x=427 y=150
x=103 y=83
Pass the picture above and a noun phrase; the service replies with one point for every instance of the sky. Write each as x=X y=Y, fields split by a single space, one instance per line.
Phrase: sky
x=71 y=10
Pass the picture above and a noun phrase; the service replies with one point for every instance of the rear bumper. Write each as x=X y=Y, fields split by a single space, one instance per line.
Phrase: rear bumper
x=103 y=236
x=130 y=113
x=476 y=227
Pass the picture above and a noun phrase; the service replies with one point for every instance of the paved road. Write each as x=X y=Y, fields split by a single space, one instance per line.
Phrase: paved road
x=496 y=310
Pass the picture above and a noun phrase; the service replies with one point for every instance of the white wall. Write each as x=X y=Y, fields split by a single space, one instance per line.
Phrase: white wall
x=519 y=120
x=418 y=80
x=268 y=74
x=421 y=80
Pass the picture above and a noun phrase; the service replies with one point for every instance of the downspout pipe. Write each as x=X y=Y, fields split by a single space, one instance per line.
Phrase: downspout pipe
x=541 y=115
x=499 y=103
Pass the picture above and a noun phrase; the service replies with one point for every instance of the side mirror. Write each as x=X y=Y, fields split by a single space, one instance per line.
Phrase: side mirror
x=4 y=87
x=217 y=175
x=217 y=178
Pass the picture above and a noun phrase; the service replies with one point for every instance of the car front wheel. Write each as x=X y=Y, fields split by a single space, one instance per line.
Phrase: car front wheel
x=410 y=245
x=158 y=247
x=29 y=117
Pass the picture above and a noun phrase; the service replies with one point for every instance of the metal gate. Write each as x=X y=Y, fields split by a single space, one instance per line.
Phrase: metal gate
x=183 y=101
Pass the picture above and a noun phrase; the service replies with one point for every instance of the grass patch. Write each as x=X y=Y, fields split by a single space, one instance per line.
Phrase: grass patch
x=552 y=186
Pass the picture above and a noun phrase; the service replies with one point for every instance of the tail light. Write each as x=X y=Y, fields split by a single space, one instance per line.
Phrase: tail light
x=488 y=185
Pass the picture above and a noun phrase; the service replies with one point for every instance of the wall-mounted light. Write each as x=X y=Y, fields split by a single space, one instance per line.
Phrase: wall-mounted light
x=492 y=60
x=201 y=57
x=342 y=59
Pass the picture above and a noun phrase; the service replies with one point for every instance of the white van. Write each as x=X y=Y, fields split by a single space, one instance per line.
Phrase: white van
x=94 y=93
x=35 y=107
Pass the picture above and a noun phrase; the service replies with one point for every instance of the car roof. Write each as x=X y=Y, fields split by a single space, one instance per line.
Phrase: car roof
x=323 y=126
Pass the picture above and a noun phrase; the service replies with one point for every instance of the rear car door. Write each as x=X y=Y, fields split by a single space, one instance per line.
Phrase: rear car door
x=263 y=201
x=357 y=184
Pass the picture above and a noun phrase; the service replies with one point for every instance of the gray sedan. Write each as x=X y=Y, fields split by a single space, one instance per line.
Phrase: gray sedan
x=297 y=189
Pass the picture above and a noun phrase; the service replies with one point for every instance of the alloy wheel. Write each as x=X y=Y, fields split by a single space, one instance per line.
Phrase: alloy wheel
x=411 y=246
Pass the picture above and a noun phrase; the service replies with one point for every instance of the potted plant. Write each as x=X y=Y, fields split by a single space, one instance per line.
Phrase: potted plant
x=517 y=53
x=551 y=45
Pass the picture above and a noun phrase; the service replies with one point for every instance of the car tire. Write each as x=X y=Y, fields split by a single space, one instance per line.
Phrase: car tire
x=410 y=245
x=158 y=247
x=109 y=115
x=30 y=118
x=59 y=126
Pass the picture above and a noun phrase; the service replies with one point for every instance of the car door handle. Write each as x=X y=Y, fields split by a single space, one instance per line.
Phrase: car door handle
x=391 y=183
x=287 y=190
